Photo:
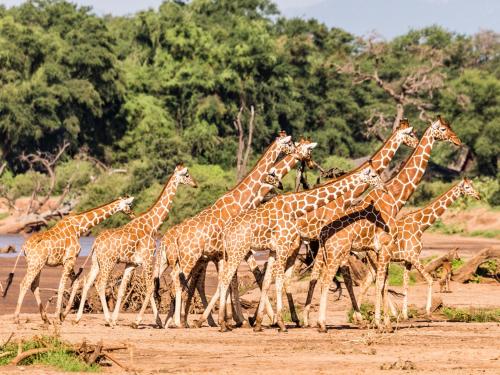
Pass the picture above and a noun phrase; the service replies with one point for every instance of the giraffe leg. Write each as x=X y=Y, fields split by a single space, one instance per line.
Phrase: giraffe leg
x=89 y=281
x=238 y=316
x=200 y=286
x=35 y=288
x=67 y=269
x=325 y=279
x=265 y=289
x=32 y=271
x=149 y=298
x=209 y=308
x=406 y=280
x=121 y=292
x=289 y=296
x=356 y=316
x=74 y=289
x=195 y=275
x=317 y=268
x=100 y=285
x=380 y=285
x=178 y=296
x=418 y=266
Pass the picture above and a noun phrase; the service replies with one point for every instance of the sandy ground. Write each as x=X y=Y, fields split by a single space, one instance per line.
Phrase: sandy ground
x=418 y=346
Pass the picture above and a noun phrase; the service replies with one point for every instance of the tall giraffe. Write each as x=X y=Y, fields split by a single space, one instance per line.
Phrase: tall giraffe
x=133 y=244
x=59 y=246
x=367 y=224
x=184 y=244
x=303 y=154
x=272 y=226
x=310 y=224
x=411 y=227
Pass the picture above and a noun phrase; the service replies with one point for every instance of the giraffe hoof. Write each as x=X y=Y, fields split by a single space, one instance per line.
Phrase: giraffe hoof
x=282 y=329
x=245 y=324
x=197 y=324
x=75 y=322
x=298 y=324
x=251 y=320
x=322 y=328
x=257 y=328
x=134 y=325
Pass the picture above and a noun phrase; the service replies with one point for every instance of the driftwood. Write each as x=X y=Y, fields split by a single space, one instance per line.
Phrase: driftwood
x=28 y=353
x=466 y=272
x=243 y=149
x=7 y=249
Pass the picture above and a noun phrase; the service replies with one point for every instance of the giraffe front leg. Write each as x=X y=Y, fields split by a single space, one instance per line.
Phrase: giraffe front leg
x=67 y=269
x=200 y=286
x=289 y=296
x=121 y=292
x=380 y=286
x=357 y=317
x=148 y=297
x=406 y=281
x=326 y=277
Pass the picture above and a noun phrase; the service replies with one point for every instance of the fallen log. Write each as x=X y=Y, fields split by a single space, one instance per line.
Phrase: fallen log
x=28 y=353
x=7 y=249
x=435 y=264
x=467 y=271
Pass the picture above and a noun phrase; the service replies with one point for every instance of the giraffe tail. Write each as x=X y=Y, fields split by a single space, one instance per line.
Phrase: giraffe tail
x=8 y=282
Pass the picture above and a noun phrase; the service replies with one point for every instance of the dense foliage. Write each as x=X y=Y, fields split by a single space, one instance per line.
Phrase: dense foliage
x=145 y=91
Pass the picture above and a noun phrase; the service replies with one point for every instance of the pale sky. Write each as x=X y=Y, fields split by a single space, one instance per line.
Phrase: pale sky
x=387 y=17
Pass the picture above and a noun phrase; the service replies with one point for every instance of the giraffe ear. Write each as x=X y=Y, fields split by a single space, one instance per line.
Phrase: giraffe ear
x=183 y=171
x=408 y=130
x=286 y=139
x=311 y=145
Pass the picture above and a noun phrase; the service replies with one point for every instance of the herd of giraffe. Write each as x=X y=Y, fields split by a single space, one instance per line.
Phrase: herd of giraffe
x=356 y=212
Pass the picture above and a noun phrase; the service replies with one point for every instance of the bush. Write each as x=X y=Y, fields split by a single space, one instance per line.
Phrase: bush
x=79 y=172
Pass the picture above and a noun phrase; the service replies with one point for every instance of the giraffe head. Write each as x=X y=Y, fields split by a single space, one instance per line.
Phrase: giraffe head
x=273 y=180
x=182 y=175
x=125 y=205
x=303 y=152
x=466 y=188
x=405 y=134
x=441 y=130
x=370 y=176
x=284 y=143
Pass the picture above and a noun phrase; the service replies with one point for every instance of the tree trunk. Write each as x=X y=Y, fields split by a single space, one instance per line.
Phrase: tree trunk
x=466 y=272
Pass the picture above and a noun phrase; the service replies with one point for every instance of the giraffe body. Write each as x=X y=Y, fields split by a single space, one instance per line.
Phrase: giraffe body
x=411 y=228
x=59 y=246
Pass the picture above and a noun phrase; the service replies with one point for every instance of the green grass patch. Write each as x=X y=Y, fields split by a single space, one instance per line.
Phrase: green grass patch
x=471 y=315
x=3 y=215
x=456 y=264
x=395 y=277
x=440 y=227
x=490 y=233
x=367 y=312
x=61 y=355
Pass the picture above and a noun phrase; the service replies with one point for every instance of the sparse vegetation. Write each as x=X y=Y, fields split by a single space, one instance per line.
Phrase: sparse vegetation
x=471 y=314
x=395 y=277
x=61 y=355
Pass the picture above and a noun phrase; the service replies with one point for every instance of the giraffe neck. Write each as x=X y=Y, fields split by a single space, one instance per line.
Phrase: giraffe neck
x=310 y=200
x=426 y=216
x=380 y=161
x=282 y=168
x=157 y=214
x=89 y=219
x=241 y=196
x=405 y=182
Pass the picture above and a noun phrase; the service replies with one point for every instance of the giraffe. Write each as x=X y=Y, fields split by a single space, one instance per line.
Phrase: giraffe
x=133 y=244
x=411 y=227
x=310 y=224
x=372 y=223
x=184 y=244
x=272 y=226
x=59 y=246
x=302 y=154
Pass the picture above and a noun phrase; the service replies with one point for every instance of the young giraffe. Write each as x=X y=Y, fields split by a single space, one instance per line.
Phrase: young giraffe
x=366 y=225
x=59 y=246
x=310 y=224
x=133 y=244
x=444 y=282
x=183 y=245
x=302 y=153
x=272 y=226
x=411 y=227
